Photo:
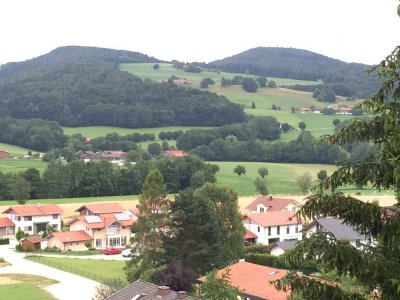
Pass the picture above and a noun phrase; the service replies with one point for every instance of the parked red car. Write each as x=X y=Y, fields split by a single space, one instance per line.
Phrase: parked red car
x=111 y=251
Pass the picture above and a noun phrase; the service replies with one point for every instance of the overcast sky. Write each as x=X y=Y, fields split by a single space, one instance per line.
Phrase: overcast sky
x=191 y=30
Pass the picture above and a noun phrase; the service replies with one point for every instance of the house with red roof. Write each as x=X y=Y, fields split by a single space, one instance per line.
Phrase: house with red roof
x=109 y=224
x=7 y=227
x=274 y=226
x=254 y=281
x=69 y=240
x=35 y=218
x=31 y=243
x=269 y=203
x=175 y=153
x=4 y=154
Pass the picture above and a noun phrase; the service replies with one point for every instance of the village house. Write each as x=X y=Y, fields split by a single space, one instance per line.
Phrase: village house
x=7 y=227
x=339 y=230
x=144 y=290
x=35 y=218
x=272 y=227
x=269 y=203
x=32 y=243
x=175 y=153
x=115 y=157
x=107 y=223
x=280 y=248
x=4 y=154
x=69 y=240
x=254 y=280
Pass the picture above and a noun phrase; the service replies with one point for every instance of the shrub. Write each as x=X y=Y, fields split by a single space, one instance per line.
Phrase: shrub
x=265 y=260
x=4 y=241
x=53 y=249
x=261 y=249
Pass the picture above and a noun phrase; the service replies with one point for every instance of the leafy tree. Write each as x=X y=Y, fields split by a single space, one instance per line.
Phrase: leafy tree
x=253 y=105
x=156 y=66
x=376 y=267
x=239 y=170
x=272 y=84
x=261 y=186
x=20 y=234
x=19 y=189
x=262 y=81
x=178 y=277
x=304 y=182
x=263 y=172
x=285 y=127
x=249 y=85
x=218 y=287
x=165 y=146
x=324 y=93
x=107 y=288
x=302 y=125
x=205 y=82
x=322 y=175
x=154 y=149
x=336 y=122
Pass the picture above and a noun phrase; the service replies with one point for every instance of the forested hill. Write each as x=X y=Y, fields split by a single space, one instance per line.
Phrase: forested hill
x=73 y=54
x=346 y=79
x=83 y=90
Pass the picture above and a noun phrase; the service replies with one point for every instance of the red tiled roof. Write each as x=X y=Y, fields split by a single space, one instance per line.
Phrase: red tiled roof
x=274 y=204
x=70 y=236
x=6 y=222
x=35 y=210
x=249 y=235
x=33 y=239
x=273 y=218
x=176 y=153
x=345 y=108
x=253 y=280
x=105 y=220
x=100 y=208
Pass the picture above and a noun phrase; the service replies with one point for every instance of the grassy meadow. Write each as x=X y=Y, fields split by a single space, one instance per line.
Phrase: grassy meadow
x=15 y=151
x=20 y=165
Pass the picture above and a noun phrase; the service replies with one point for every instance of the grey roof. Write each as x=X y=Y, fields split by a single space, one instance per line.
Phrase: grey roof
x=340 y=230
x=143 y=290
x=286 y=245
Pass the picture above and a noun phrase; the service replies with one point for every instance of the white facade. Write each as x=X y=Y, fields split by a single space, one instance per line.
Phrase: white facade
x=277 y=233
x=276 y=251
x=35 y=224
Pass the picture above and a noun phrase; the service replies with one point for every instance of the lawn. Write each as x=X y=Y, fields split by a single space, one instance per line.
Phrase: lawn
x=96 y=269
x=19 y=165
x=27 y=287
x=15 y=151
x=146 y=71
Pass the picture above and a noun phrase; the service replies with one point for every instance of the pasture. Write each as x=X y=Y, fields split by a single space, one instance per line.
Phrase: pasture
x=146 y=71
x=15 y=151
x=20 y=165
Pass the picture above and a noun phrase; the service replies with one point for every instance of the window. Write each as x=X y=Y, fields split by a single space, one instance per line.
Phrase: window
x=87 y=228
x=287 y=230
x=294 y=209
x=358 y=244
x=258 y=228
x=98 y=243
x=17 y=218
x=55 y=226
x=278 y=230
x=261 y=209
x=28 y=218
x=269 y=230
x=55 y=217
x=28 y=228
x=297 y=229
x=123 y=240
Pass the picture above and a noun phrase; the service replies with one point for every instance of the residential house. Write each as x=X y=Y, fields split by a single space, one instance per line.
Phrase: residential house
x=175 y=153
x=7 y=227
x=4 y=154
x=144 y=290
x=116 y=157
x=339 y=230
x=280 y=248
x=181 y=82
x=269 y=203
x=107 y=223
x=272 y=227
x=305 y=109
x=249 y=237
x=69 y=240
x=254 y=280
x=34 y=218
x=31 y=243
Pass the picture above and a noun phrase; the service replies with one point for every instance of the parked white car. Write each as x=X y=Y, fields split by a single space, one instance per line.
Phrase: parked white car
x=129 y=253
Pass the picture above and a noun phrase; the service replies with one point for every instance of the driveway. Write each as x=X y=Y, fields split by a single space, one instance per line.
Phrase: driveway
x=70 y=286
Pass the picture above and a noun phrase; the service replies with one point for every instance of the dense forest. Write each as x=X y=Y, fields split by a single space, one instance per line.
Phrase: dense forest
x=346 y=79
x=75 y=90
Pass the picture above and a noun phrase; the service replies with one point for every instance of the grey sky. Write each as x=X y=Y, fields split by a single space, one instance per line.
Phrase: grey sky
x=190 y=30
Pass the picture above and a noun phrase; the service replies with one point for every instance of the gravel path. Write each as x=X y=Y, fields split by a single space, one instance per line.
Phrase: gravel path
x=70 y=286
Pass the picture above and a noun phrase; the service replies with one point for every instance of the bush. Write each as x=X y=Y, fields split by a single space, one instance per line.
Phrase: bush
x=260 y=249
x=53 y=249
x=265 y=260
x=5 y=241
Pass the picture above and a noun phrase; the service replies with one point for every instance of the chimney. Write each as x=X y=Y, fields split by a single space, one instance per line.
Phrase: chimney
x=163 y=291
x=181 y=295
x=270 y=197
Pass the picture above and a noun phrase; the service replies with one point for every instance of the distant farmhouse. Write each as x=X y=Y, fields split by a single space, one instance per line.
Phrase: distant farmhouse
x=4 y=154
x=116 y=157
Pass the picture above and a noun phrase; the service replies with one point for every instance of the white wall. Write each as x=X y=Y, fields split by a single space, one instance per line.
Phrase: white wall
x=262 y=232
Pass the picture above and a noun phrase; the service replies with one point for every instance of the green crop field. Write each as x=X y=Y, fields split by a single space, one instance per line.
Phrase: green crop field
x=15 y=151
x=96 y=269
x=19 y=165
x=146 y=71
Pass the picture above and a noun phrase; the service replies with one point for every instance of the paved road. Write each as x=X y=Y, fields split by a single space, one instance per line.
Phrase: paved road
x=71 y=286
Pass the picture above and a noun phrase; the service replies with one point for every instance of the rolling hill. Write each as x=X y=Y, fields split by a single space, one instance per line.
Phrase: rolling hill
x=346 y=79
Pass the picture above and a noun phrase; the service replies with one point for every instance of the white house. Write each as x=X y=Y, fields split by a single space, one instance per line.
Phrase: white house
x=281 y=247
x=34 y=218
x=339 y=230
x=272 y=227
x=269 y=203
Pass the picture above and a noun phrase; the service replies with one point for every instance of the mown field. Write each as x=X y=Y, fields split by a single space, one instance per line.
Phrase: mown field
x=19 y=165
x=15 y=151
x=146 y=71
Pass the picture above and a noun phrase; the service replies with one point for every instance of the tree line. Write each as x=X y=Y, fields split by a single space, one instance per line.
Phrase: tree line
x=79 y=179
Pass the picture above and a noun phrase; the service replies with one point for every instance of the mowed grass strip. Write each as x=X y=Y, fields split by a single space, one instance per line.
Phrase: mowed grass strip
x=20 y=165
x=23 y=286
x=95 y=269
